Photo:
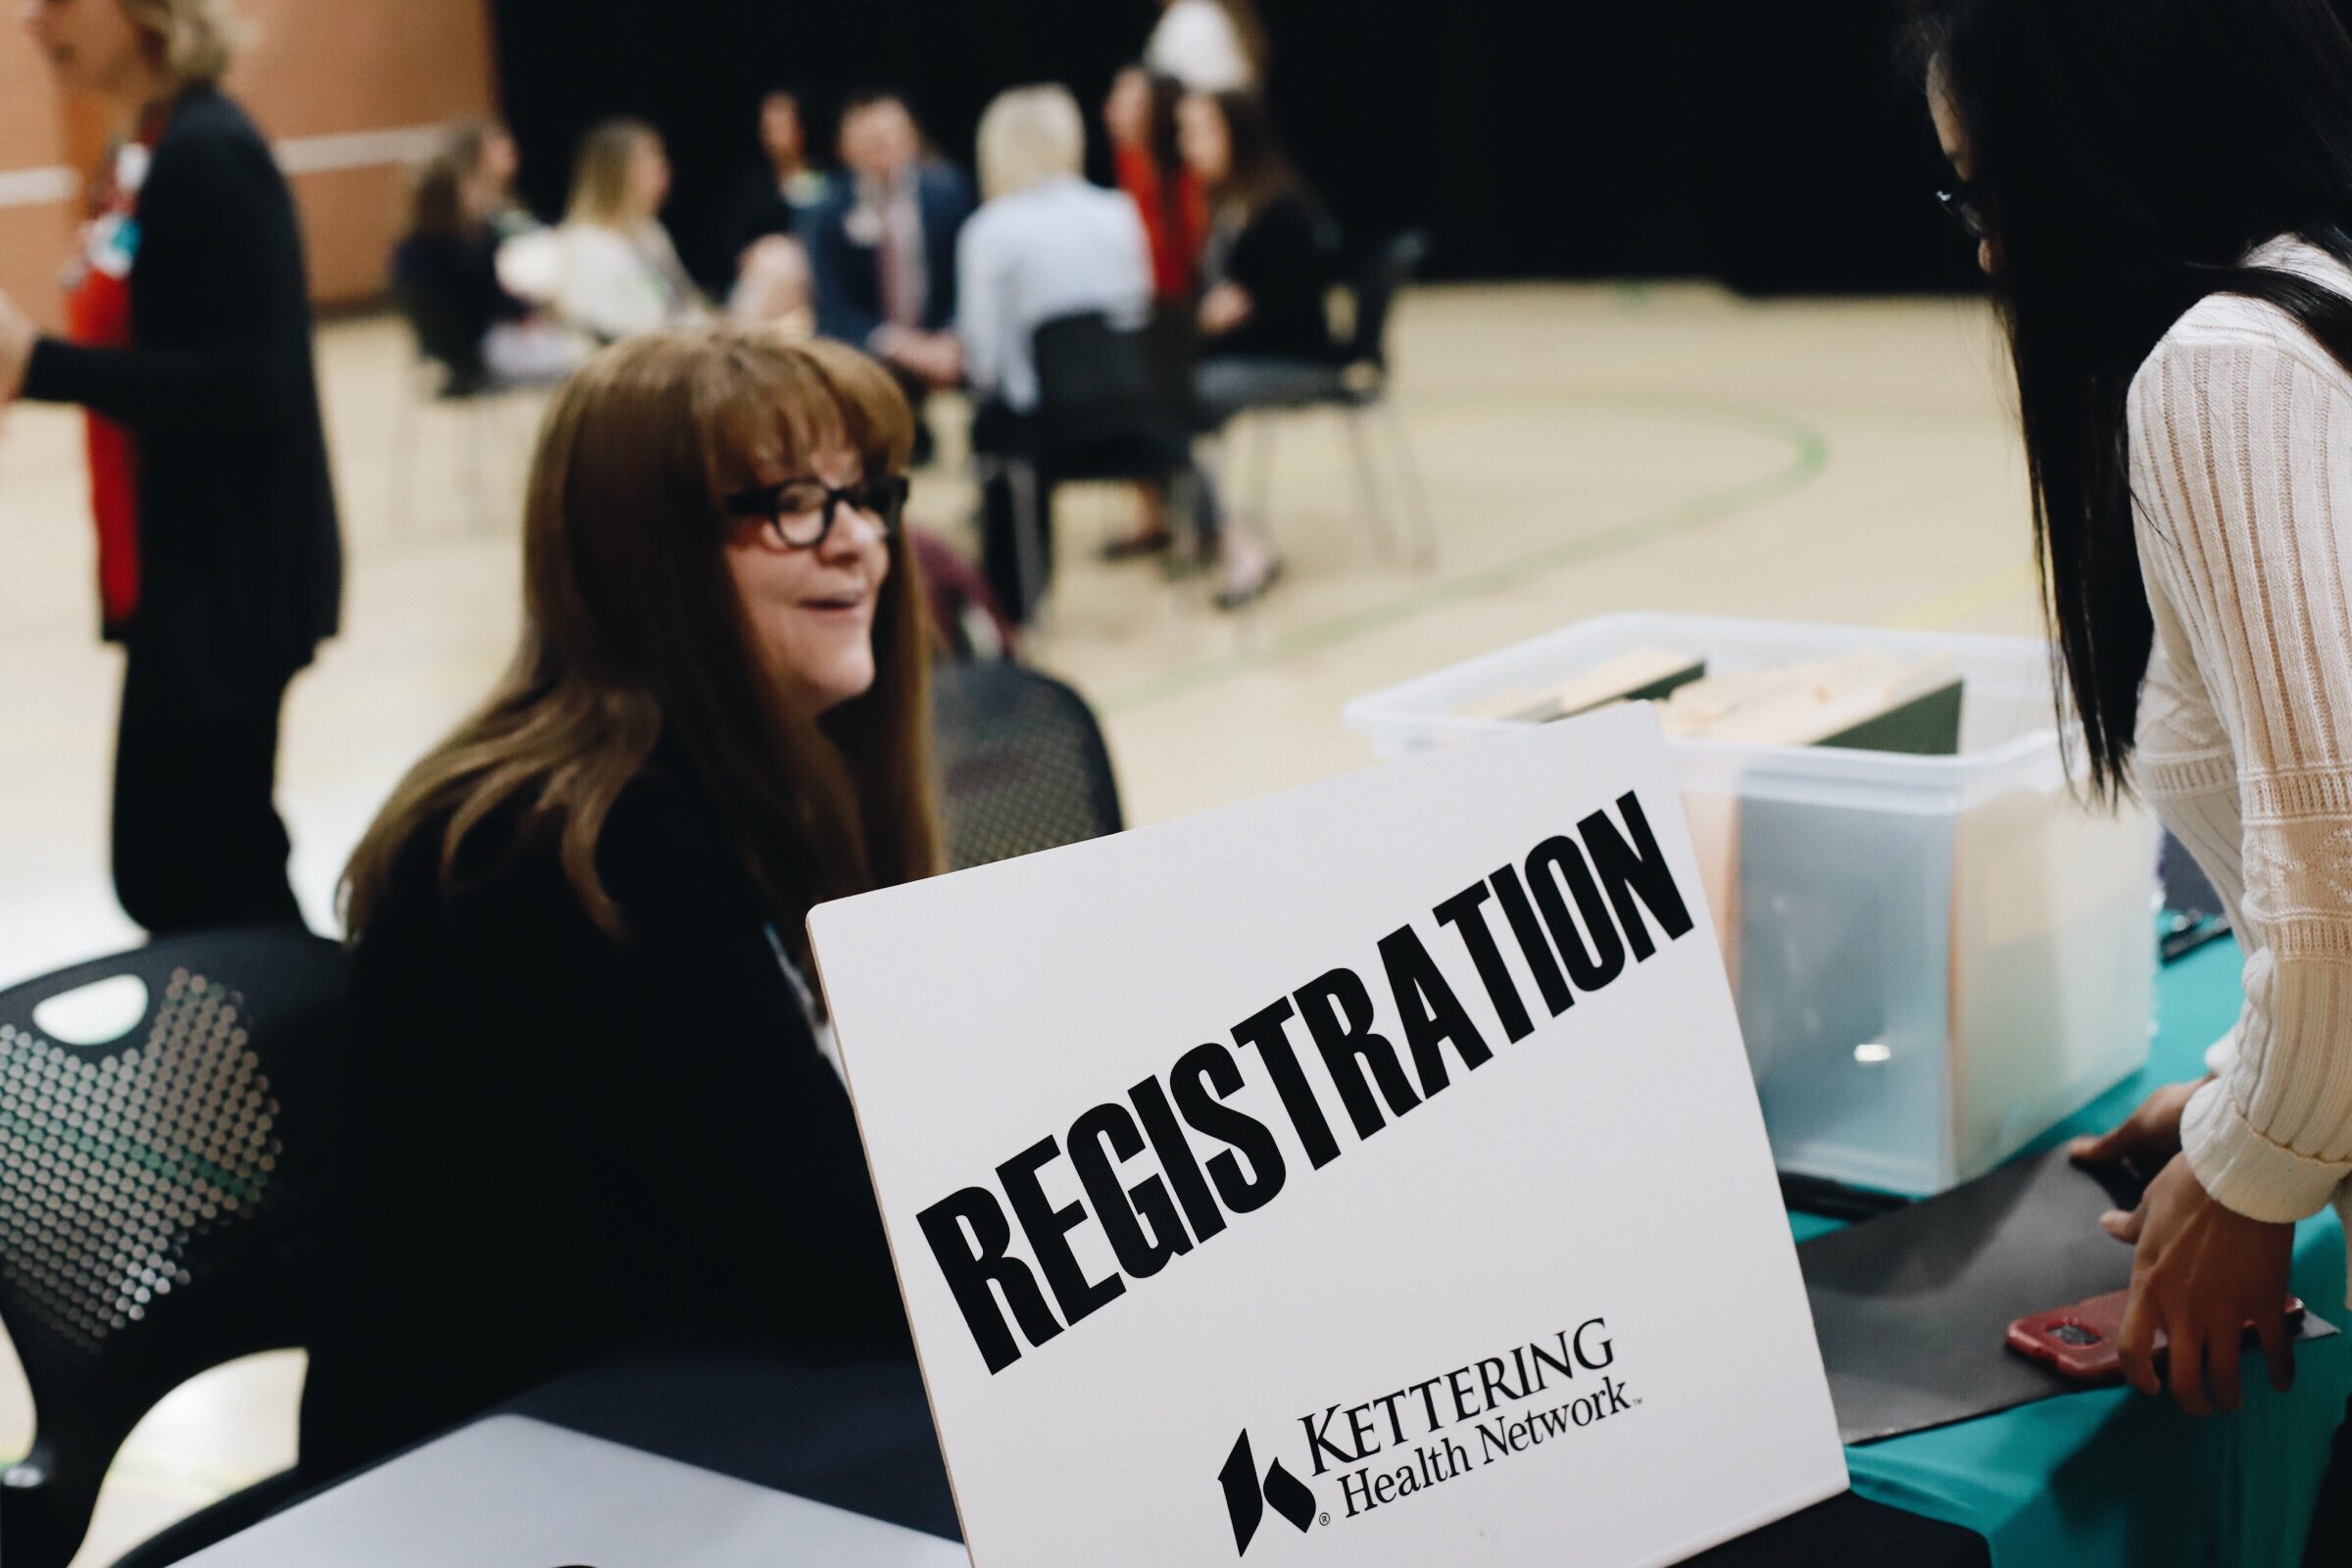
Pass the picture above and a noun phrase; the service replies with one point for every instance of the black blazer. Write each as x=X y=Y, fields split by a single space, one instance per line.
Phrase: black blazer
x=849 y=272
x=557 y=1141
x=241 y=568
x=1285 y=257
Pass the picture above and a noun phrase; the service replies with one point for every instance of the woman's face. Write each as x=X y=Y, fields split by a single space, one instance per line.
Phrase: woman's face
x=1202 y=137
x=780 y=131
x=648 y=178
x=90 y=45
x=1127 y=112
x=1954 y=138
x=501 y=162
x=811 y=612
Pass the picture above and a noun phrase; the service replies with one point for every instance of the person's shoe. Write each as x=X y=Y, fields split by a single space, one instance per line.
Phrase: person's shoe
x=1239 y=593
x=1136 y=545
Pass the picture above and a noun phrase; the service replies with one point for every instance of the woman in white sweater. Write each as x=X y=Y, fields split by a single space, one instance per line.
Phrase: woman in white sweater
x=608 y=270
x=2162 y=193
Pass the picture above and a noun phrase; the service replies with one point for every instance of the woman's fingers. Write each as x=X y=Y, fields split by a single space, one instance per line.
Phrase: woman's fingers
x=2100 y=1148
x=2125 y=1227
x=2277 y=1348
x=2135 y=1343
x=2224 y=1389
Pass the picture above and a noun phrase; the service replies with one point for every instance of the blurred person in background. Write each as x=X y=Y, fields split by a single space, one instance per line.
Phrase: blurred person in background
x=188 y=340
x=1139 y=115
x=578 y=925
x=771 y=281
x=461 y=208
x=608 y=270
x=1044 y=244
x=1210 y=46
x=484 y=153
x=2176 y=289
x=883 y=249
x=1270 y=262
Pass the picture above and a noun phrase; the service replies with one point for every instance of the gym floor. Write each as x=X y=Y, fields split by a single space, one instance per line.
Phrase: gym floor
x=1584 y=450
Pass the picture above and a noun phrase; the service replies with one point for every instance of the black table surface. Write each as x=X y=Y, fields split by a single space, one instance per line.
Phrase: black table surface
x=858 y=1435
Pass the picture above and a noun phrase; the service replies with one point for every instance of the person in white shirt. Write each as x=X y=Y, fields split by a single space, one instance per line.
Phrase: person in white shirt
x=1210 y=46
x=1044 y=245
x=609 y=270
x=2169 y=238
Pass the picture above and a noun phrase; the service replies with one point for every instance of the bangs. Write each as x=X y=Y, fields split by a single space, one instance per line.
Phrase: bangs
x=780 y=404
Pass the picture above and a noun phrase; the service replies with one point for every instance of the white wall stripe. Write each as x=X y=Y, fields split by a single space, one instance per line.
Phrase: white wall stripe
x=38 y=187
x=296 y=155
x=358 y=149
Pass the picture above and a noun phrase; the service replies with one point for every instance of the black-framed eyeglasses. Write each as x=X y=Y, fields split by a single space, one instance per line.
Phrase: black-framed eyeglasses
x=1960 y=204
x=799 y=512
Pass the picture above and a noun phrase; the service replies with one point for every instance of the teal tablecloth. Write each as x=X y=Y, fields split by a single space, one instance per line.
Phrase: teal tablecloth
x=2109 y=1477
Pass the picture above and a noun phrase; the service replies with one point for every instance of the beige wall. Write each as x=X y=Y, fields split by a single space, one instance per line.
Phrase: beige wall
x=33 y=239
x=310 y=69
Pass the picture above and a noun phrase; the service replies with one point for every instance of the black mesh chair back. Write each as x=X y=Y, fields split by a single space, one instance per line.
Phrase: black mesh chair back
x=155 y=1196
x=1390 y=267
x=1021 y=764
x=1104 y=409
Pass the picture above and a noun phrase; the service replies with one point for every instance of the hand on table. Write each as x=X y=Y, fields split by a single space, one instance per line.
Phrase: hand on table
x=936 y=359
x=2201 y=1273
x=2147 y=1138
x=18 y=335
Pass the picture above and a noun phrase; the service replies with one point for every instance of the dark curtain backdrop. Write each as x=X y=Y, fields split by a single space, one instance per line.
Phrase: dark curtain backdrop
x=1773 y=145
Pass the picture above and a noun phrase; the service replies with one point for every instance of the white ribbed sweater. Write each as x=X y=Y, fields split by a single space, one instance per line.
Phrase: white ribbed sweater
x=2240 y=441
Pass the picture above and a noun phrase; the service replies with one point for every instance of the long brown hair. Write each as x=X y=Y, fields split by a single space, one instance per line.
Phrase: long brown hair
x=1260 y=173
x=634 y=636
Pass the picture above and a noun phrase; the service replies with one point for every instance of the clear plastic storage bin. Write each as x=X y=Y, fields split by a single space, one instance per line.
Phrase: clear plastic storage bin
x=1936 y=958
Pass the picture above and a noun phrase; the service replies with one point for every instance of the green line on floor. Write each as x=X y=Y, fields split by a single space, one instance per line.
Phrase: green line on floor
x=1809 y=458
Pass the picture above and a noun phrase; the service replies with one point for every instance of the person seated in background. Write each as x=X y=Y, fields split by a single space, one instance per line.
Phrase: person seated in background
x=1148 y=159
x=883 y=249
x=1210 y=46
x=771 y=281
x=1044 y=244
x=590 y=1089
x=1264 y=333
x=485 y=152
x=445 y=269
x=608 y=270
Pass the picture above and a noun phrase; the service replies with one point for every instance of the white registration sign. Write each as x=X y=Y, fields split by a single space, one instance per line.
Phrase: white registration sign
x=1366 y=1175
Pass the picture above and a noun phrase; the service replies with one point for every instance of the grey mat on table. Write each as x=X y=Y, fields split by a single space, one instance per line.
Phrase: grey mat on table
x=1911 y=1307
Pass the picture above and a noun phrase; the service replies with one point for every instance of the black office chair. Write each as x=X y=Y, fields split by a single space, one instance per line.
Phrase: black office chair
x=1110 y=406
x=1021 y=764
x=156 y=1197
x=1359 y=387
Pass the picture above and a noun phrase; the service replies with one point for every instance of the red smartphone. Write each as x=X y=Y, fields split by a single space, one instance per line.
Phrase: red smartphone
x=2079 y=1341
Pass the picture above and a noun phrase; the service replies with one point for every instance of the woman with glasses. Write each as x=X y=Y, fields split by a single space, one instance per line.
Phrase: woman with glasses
x=2162 y=194
x=590 y=1091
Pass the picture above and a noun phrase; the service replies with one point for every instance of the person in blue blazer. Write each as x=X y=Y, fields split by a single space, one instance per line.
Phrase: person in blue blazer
x=883 y=249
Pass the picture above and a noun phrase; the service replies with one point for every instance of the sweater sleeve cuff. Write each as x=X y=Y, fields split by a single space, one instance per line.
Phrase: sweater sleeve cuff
x=43 y=371
x=2247 y=1173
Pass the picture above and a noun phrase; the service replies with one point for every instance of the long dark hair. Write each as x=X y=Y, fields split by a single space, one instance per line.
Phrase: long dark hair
x=1261 y=172
x=633 y=635
x=2126 y=156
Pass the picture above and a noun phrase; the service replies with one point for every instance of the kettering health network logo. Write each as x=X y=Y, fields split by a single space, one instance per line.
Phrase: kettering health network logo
x=1393 y=1447
x=1247 y=1497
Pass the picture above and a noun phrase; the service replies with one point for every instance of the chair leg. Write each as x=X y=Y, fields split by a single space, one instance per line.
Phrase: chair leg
x=1028 y=535
x=399 y=491
x=1424 y=522
x=1261 y=488
x=1368 y=479
x=474 y=410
